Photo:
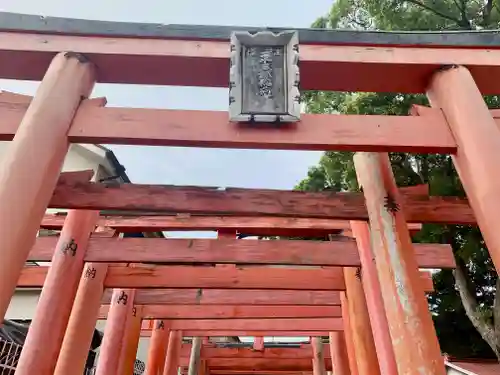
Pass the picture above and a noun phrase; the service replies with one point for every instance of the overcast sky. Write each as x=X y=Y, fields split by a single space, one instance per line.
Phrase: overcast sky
x=188 y=166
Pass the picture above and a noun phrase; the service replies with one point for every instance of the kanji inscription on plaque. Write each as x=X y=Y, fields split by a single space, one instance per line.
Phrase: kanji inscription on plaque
x=264 y=77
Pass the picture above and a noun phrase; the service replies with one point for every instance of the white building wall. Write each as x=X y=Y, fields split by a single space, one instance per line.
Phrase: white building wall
x=23 y=305
x=78 y=158
x=142 y=350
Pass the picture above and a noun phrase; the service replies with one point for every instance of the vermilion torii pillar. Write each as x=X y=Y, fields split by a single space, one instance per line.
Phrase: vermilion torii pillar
x=157 y=348
x=46 y=332
x=360 y=328
x=374 y=303
x=131 y=342
x=120 y=310
x=477 y=135
x=349 y=344
x=82 y=321
x=258 y=343
x=30 y=169
x=84 y=315
x=413 y=336
x=338 y=353
x=318 y=360
x=173 y=353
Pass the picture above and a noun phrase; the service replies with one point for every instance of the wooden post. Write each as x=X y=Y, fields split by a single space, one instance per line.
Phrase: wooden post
x=203 y=370
x=410 y=323
x=203 y=363
x=82 y=321
x=46 y=333
x=349 y=344
x=374 y=303
x=131 y=342
x=361 y=331
x=477 y=160
x=173 y=353
x=194 y=358
x=157 y=348
x=318 y=360
x=338 y=353
x=226 y=233
x=31 y=166
x=258 y=343
x=121 y=308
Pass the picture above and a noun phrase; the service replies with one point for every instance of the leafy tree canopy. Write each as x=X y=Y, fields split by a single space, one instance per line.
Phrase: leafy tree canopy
x=465 y=310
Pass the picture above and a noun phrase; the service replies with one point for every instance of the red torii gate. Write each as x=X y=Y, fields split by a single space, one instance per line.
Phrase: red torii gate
x=454 y=71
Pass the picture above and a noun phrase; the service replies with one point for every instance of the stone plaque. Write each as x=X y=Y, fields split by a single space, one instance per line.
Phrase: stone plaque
x=264 y=77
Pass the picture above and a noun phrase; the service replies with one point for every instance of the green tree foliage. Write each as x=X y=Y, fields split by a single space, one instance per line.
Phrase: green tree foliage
x=465 y=311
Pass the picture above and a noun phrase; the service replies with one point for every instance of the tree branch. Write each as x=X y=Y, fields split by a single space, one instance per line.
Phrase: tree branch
x=496 y=309
x=357 y=23
x=407 y=163
x=465 y=22
x=402 y=162
x=471 y=307
x=496 y=7
x=496 y=312
x=488 y=7
x=467 y=293
x=458 y=5
x=436 y=12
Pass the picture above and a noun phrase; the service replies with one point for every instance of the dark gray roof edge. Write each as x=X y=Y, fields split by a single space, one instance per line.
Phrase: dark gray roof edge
x=69 y=26
x=118 y=167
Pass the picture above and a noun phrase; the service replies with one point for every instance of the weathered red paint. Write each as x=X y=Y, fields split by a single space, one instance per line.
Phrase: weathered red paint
x=409 y=320
x=232 y=311
x=220 y=277
x=130 y=342
x=374 y=302
x=236 y=201
x=209 y=351
x=157 y=347
x=348 y=334
x=338 y=353
x=109 y=354
x=477 y=159
x=173 y=353
x=258 y=225
x=318 y=359
x=46 y=333
x=361 y=331
x=33 y=161
x=340 y=252
x=359 y=67
x=82 y=321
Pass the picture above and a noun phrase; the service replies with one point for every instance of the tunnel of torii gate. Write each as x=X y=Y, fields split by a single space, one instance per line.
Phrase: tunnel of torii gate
x=360 y=296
